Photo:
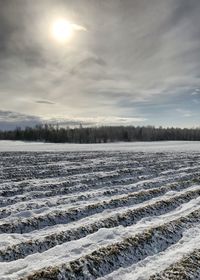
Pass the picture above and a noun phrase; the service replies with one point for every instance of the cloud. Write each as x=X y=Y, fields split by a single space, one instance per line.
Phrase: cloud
x=196 y=92
x=184 y=113
x=14 y=116
x=78 y=27
x=137 y=58
x=11 y=120
x=44 y=102
x=90 y=67
x=90 y=61
x=196 y=101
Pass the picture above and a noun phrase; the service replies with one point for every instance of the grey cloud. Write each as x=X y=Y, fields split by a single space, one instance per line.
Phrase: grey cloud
x=72 y=123
x=90 y=61
x=44 y=102
x=135 y=55
x=90 y=68
x=11 y=120
x=15 y=116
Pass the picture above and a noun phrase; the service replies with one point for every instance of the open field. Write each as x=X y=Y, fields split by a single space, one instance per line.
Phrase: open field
x=113 y=211
x=159 y=146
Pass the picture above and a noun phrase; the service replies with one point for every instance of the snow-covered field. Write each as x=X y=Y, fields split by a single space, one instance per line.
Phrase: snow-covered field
x=110 y=211
x=158 y=146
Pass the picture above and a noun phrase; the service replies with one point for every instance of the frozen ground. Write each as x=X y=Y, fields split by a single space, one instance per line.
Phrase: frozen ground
x=120 y=146
x=111 y=211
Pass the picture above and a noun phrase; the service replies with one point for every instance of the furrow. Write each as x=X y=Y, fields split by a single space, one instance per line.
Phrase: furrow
x=86 y=198
x=187 y=268
x=104 y=260
x=124 y=186
x=125 y=218
x=63 y=217
x=154 y=265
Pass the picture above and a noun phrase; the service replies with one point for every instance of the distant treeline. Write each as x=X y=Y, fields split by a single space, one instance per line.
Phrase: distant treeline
x=103 y=134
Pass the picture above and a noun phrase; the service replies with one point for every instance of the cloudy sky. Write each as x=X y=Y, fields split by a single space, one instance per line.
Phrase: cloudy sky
x=124 y=62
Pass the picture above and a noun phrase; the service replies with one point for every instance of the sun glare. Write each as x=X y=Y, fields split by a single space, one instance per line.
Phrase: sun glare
x=62 y=30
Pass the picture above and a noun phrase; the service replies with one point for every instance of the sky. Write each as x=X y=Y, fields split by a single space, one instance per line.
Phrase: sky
x=126 y=62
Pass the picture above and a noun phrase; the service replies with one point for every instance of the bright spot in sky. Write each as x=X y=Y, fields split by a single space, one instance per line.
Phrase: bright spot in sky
x=62 y=30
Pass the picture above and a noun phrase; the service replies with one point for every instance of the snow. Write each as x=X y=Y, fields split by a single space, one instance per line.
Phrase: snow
x=158 y=146
x=8 y=240
x=72 y=250
x=87 y=208
x=158 y=262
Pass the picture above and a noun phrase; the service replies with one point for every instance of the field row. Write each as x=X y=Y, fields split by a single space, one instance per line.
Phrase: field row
x=105 y=215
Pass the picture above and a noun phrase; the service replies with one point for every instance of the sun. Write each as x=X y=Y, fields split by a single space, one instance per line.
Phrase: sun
x=62 y=30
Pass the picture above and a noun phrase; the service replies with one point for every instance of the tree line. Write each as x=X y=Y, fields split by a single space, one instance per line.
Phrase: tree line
x=103 y=134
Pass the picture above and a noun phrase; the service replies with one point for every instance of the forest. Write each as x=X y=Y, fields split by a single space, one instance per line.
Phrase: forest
x=102 y=134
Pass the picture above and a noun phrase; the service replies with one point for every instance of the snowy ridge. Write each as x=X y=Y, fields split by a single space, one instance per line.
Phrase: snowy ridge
x=106 y=215
x=188 y=266
x=153 y=267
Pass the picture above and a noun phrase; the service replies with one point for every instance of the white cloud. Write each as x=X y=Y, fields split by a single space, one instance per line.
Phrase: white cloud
x=184 y=113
